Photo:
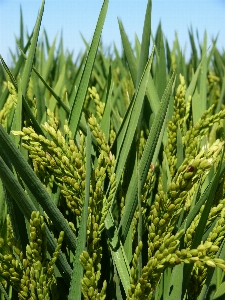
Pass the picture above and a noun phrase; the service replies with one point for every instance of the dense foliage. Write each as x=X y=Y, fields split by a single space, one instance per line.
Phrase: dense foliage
x=112 y=169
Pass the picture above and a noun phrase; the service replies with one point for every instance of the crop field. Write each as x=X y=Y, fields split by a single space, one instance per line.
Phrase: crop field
x=112 y=169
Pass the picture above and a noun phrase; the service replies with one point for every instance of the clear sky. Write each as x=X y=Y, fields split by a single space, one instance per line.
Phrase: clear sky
x=75 y=16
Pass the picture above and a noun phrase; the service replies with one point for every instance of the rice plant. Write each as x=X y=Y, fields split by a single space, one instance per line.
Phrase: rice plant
x=112 y=169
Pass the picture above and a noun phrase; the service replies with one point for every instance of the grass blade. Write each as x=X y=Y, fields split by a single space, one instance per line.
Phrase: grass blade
x=131 y=60
x=3 y=292
x=160 y=76
x=145 y=44
x=78 y=103
x=153 y=96
x=58 y=88
x=144 y=163
x=21 y=40
x=28 y=68
x=57 y=98
x=105 y=122
x=29 y=63
x=75 y=287
x=132 y=122
x=175 y=283
x=220 y=292
x=121 y=266
x=12 y=78
x=143 y=60
x=17 y=121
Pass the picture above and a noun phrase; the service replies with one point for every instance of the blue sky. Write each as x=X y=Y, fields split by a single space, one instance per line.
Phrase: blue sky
x=75 y=16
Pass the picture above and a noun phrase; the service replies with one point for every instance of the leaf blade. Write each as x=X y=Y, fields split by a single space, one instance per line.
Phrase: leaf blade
x=76 y=110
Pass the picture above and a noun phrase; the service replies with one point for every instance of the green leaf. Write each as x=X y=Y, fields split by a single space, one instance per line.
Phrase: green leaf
x=17 y=121
x=105 y=122
x=194 y=49
x=76 y=81
x=152 y=94
x=137 y=49
x=3 y=292
x=57 y=98
x=198 y=201
x=175 y=284
x=3 y=209
x=145 y=162
x=132 y=121
x=117 y=252
x=29 y=63
x=48 y=65
x=203 y=79
x=128 y=245
x=13 y=80
x=21 y=39
x=145 y=43
x=118 y=290
x=75 y=286
x=131 y=60
x=220 y=291
x=160 y=75
x=121 y=263
x=25 y=77
x=143 y=61
x=58 y=88
x=78 y=103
